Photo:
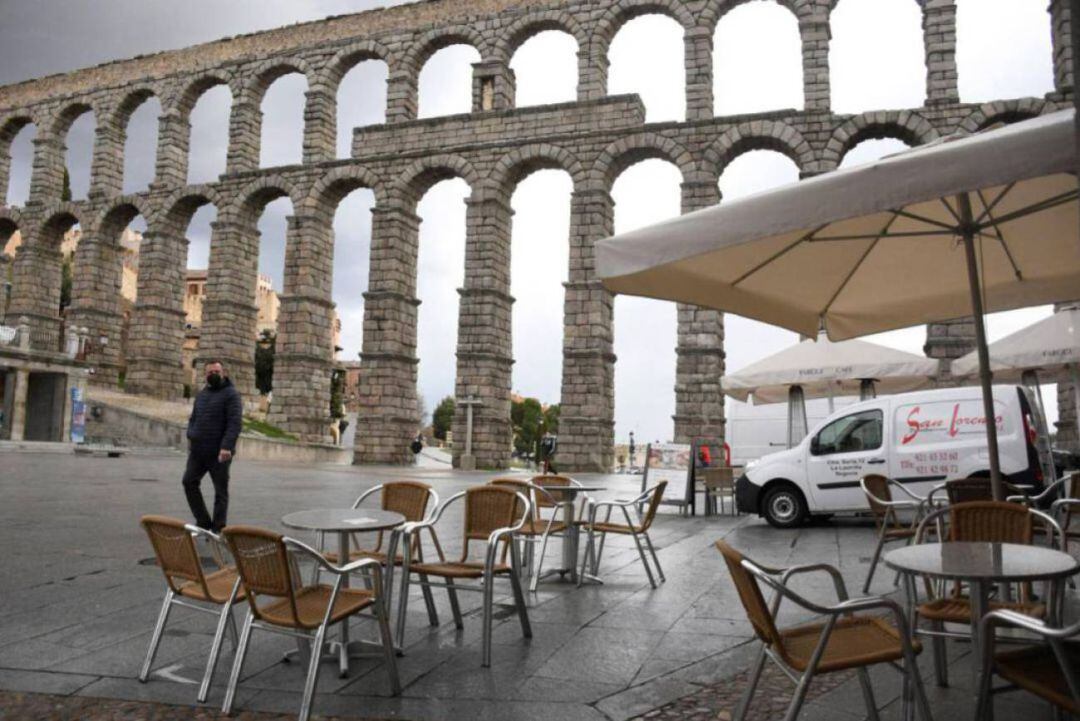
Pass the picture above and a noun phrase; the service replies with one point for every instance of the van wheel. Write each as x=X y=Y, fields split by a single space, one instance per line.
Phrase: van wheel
x=784 y=506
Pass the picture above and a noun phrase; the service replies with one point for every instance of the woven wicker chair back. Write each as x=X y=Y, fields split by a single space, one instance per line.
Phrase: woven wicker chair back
x=488 y=508
x=966 y=490
x=522 y=487
x=174 y=549
x=990 y=522
x=550 y=481
x=261 y=560
x=409 y=498
x=757 y=610
x=654 y=503
x=1073 y=488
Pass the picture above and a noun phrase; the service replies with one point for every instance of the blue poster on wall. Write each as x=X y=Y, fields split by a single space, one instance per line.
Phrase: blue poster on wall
x=78 y=416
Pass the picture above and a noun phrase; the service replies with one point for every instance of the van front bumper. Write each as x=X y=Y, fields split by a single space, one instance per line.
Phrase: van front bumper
x=746 y=495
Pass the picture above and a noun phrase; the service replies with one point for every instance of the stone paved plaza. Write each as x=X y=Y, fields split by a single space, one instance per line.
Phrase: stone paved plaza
x=79 y=599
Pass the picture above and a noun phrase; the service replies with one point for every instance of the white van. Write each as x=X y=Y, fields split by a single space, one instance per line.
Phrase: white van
x=920 y=439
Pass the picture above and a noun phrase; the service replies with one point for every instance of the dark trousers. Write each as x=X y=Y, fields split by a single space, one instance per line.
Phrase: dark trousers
x=200 y=463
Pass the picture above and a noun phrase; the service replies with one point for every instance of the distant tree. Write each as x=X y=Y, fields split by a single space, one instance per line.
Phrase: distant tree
x=66 y=275
x=65 y=194
x=551 y=418
x=443 y=418
x=264 y=361
x=337 y=394
x=529 y=416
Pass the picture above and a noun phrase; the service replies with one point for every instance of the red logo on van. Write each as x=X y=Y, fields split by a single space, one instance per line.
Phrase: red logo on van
x=956 y=423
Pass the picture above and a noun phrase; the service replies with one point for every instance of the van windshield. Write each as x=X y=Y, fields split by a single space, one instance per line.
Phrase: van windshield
x=857 y=432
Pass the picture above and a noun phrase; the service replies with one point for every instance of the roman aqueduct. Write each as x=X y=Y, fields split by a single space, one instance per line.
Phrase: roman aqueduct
x=492 y=148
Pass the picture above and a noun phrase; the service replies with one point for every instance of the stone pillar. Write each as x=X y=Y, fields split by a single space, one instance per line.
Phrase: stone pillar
x=939 y=44
x=587 y=419
x=95 y=304
x=387 y=393
x=1060 y=27
x=35 y=286
x=245 y=126
x=699 y=73
x=107 y=165
x=816 y=34
x=320 y=125
x=947 y=341
x=174 y=141
x=699 y=401
x=5 y=165
x=156 y=339
x=303 y=362
x=494 y=86
x=230 y=315
x=485 y=350
x=592 y=71
x=18 y=408
x=47 y=173
x=401 y=95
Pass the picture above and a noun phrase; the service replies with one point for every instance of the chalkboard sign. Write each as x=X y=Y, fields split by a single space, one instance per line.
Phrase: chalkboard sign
x=674 y=463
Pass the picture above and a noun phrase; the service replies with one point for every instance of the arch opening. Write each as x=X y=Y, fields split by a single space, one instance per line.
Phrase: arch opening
x=361 y=100
x=546 y=69
x=657 y=76
x=140 y=145
x=10 y=237
x=757 y=60
x=18 y=142
x=876 y=57
x=270 y=281
x=871 y=149
x=645 y=329
x=1003 y=50
x=198 y=228
x=79 y=155
x=281 y=140
x=445 y=85
x=209 y=139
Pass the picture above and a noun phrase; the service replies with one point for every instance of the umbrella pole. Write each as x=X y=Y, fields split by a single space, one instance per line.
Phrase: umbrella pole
x=967 y=230
x=1074 y=372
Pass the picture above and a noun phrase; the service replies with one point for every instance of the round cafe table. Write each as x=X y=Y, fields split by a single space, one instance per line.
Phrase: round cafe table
x=569 y=495
x=343 y=522
x=982 y=565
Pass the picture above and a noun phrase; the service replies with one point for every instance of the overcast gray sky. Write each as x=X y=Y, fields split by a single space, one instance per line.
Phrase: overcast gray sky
x=876 y=61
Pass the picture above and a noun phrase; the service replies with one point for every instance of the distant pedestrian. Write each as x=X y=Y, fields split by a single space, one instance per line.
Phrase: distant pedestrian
x=416 y=446
x=216 y=420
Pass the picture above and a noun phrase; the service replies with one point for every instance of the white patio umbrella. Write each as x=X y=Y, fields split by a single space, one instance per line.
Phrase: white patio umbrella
x=1044 y=352
x=823 y=369
x=958 y=227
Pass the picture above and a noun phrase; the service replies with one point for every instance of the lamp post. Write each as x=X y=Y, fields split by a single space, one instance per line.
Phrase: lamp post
x=630 y=462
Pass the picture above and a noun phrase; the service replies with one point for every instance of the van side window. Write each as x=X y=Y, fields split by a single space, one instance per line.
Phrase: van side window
x=850 y=434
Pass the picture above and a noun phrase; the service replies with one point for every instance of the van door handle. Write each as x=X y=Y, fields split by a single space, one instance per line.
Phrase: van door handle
x=876 y=461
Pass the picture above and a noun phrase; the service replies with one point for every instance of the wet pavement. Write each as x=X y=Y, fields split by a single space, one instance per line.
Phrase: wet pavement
x=80 y=595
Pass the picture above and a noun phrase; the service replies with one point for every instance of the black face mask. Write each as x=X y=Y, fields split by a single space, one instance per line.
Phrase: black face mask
x=214 y=380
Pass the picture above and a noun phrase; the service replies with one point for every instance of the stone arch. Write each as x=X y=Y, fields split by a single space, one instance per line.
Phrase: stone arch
x=58 y=221
x=625 y=152
x=910 y=127
x=129 y=104
x=346 y=59
x=626 y=10
x=112 y=221
x=1002 y=111
x=332 y=187
x=760 y=135
x=419 y=177
x=524 y=28
x=251 y=201
x=184 y=101
x=715 y=10
x=10 y=223
x=435 y=40
x=520 y=163
x=265 y=73
x=12 y=126
x=175 y=213
x=68 y=115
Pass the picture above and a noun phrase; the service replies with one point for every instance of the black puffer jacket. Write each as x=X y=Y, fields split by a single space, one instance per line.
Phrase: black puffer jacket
x=216 y=419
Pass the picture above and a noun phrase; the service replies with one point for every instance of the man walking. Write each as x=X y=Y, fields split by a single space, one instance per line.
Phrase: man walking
x=214 y=426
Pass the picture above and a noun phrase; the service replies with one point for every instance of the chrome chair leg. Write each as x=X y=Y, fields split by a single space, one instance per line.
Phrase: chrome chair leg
x=644 y=560
x=312 y=674
x=403 y=602
x=751 y=686
x=238 y=663
x=868 y=695
x=519 y=596
x=425 y=590
x=389 y=652
x=540 y=562
x=656 y=561
x=874 y=563
x=155 y=640
x=921 y=704
x=586 y=557
x=455 y=608
x=215 y=651
x=941 y=662
x=599 y=553
x=800 y=695
x=488 y=602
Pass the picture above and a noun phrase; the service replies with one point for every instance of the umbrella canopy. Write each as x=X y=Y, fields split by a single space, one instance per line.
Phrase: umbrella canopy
x=942 y=231
x=1050 y=346
x=824 y=369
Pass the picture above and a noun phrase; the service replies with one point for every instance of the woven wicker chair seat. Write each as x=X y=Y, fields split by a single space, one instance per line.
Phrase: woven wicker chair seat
x=606 y=527
x=899 y=533
x=357 y=554
x=1035 y=669
x=854 y=642
x=311 y=603
x=957 y=609
x=220 y=584
x=537 y=526
x=456 y=569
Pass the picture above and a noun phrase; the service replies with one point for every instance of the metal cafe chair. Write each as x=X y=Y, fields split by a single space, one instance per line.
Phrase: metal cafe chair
x=719 y=483
x=844 y=640
x=1062 y=497
x=889 y=527
x=409 y=498
x=189 y=586
x=493 y=516
x=976 y=521
x=1048 y=670
x=304 y=612
x=636 y=529
x=537 y=528
x=546 y=498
